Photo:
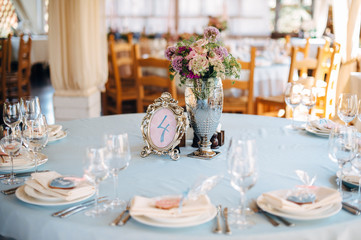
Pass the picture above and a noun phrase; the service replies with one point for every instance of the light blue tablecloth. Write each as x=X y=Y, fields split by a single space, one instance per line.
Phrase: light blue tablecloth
x=280 y=153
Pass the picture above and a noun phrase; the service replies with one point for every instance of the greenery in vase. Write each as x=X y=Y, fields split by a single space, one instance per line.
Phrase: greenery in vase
x=202 y=59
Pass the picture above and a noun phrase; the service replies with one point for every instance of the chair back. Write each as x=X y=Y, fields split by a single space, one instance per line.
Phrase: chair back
x=151 y=84
x=24 y=67
x=3 y=68
x=242 y=104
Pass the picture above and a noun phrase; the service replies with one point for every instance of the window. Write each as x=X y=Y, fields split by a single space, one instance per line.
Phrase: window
x=8 y=18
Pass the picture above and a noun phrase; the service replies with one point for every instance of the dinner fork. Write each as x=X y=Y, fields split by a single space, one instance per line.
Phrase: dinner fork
x=218 y=228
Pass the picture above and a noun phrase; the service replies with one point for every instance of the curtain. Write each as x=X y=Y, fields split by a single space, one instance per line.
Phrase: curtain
x=320 y=16
x=77 y=46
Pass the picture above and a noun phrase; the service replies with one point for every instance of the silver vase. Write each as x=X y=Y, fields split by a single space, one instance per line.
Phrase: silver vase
x=204 y=102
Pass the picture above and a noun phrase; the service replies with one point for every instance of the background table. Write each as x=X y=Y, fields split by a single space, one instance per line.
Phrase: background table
x=280 y=153
x=39 y=49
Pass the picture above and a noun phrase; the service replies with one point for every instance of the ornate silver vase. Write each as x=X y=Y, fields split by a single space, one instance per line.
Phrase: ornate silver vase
x=204 y=102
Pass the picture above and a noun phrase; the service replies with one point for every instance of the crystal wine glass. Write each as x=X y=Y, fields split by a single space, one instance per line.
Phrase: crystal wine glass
x=35 y=136
x=309 y=97
x=243 y=171
x=342 y=148
x=347 y=107
x=359 y=110
x=293 y=97
x=12 y=115
x=11 y=145
x=96 y=170
x=30 y=108
x=118 y=154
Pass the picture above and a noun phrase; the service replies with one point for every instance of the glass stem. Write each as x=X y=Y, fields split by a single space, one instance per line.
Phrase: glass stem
x=242 y=206
x=293 y=118
x=340 y=181
x=12 y=176
x=115 y=179
x=96 y=196
x=36 y=161
x=358 y=191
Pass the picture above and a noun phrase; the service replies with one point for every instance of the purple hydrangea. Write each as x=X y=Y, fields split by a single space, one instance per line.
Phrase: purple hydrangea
x=169 y=53
x=191 y=75
x=221 y=52
x=211 y=33
x=177 y=63
x=184 y=50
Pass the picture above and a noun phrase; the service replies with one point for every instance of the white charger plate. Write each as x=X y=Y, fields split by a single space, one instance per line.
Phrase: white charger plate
x=315 y=132
x=194 y=221
x=328 y=211
x=59 y=135
x=21 y=195
x=42 y=158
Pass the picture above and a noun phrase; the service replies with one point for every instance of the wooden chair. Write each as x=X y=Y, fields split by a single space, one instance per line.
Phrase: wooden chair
x=270 y=106
x=18 y=83
x=151 y=85
x=329 y=69
x=243 y=104
x=120 y=56
x=3 y=68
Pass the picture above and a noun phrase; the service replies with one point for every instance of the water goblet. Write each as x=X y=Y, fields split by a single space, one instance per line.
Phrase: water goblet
x=30 y=108
x=347 y=107
x=12 y=114
x=293 y=97
x=96 y=170
x=243 y=171
x=342 y=148
x=11 y=145
x=118 y=155
x=35 y=136
x=309 y=97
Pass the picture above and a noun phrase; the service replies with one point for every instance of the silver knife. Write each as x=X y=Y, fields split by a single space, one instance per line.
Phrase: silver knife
x=22 y=174
x=79 y=209
x=350 y=209
x=57 y=214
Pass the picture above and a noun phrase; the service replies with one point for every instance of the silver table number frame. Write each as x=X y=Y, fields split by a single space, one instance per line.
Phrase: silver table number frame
x=163 y=127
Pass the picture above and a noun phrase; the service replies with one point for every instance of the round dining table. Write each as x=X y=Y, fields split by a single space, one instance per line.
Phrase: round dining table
x=280 y=152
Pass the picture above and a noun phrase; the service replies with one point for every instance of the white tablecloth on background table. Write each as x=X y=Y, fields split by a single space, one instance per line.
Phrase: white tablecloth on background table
x=279 y=154
x=315 y=43
x=39 y=49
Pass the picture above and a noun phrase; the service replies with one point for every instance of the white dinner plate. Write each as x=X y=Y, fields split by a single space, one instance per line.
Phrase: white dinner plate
x=21 y=195
x=59 y=135
x=194 y=221
x=38 y=195
x=328 y=211
x=41 y=160
x=316 y=132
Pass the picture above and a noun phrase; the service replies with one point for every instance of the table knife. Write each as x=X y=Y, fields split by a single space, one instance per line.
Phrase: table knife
x=10 y=190
x=57 y=214
x=349 y=209
x=116 y=221
x=218 y=228
x=22 y=174
x=79 y=209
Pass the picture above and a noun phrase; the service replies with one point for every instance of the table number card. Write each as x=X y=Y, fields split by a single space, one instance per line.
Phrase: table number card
x=163 y=127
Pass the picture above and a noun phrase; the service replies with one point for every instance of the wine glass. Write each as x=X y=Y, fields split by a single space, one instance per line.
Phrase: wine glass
x=12 y=115
x=11 y=145
x=35 y=136
x=96 y=170
x=30 y=108
x=309 y=97
x=342 y=148
x=293 y=97
x=359 y=110
x=347 y=107
x=243 y=171
x=118 y=155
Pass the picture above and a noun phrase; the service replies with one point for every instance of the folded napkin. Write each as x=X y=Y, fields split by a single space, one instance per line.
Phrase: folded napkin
x=54 y=129
x=146 y=207
x=324 y=197
x=323 y=125
x=40 y=182
x=351 y=179
x=20 y=160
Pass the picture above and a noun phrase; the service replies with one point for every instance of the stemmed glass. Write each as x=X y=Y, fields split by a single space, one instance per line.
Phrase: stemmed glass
x=293 y=97
x=243 y=171
x=11 y=145
x=309 y=97
x=342 y=148
x=347 y=107
x=35 y=136
x=12 y=115
x=30 y=108
x=96 y=170
x=118 y=154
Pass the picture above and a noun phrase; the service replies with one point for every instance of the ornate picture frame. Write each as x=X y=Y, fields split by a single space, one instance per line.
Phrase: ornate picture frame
x=163 y=127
